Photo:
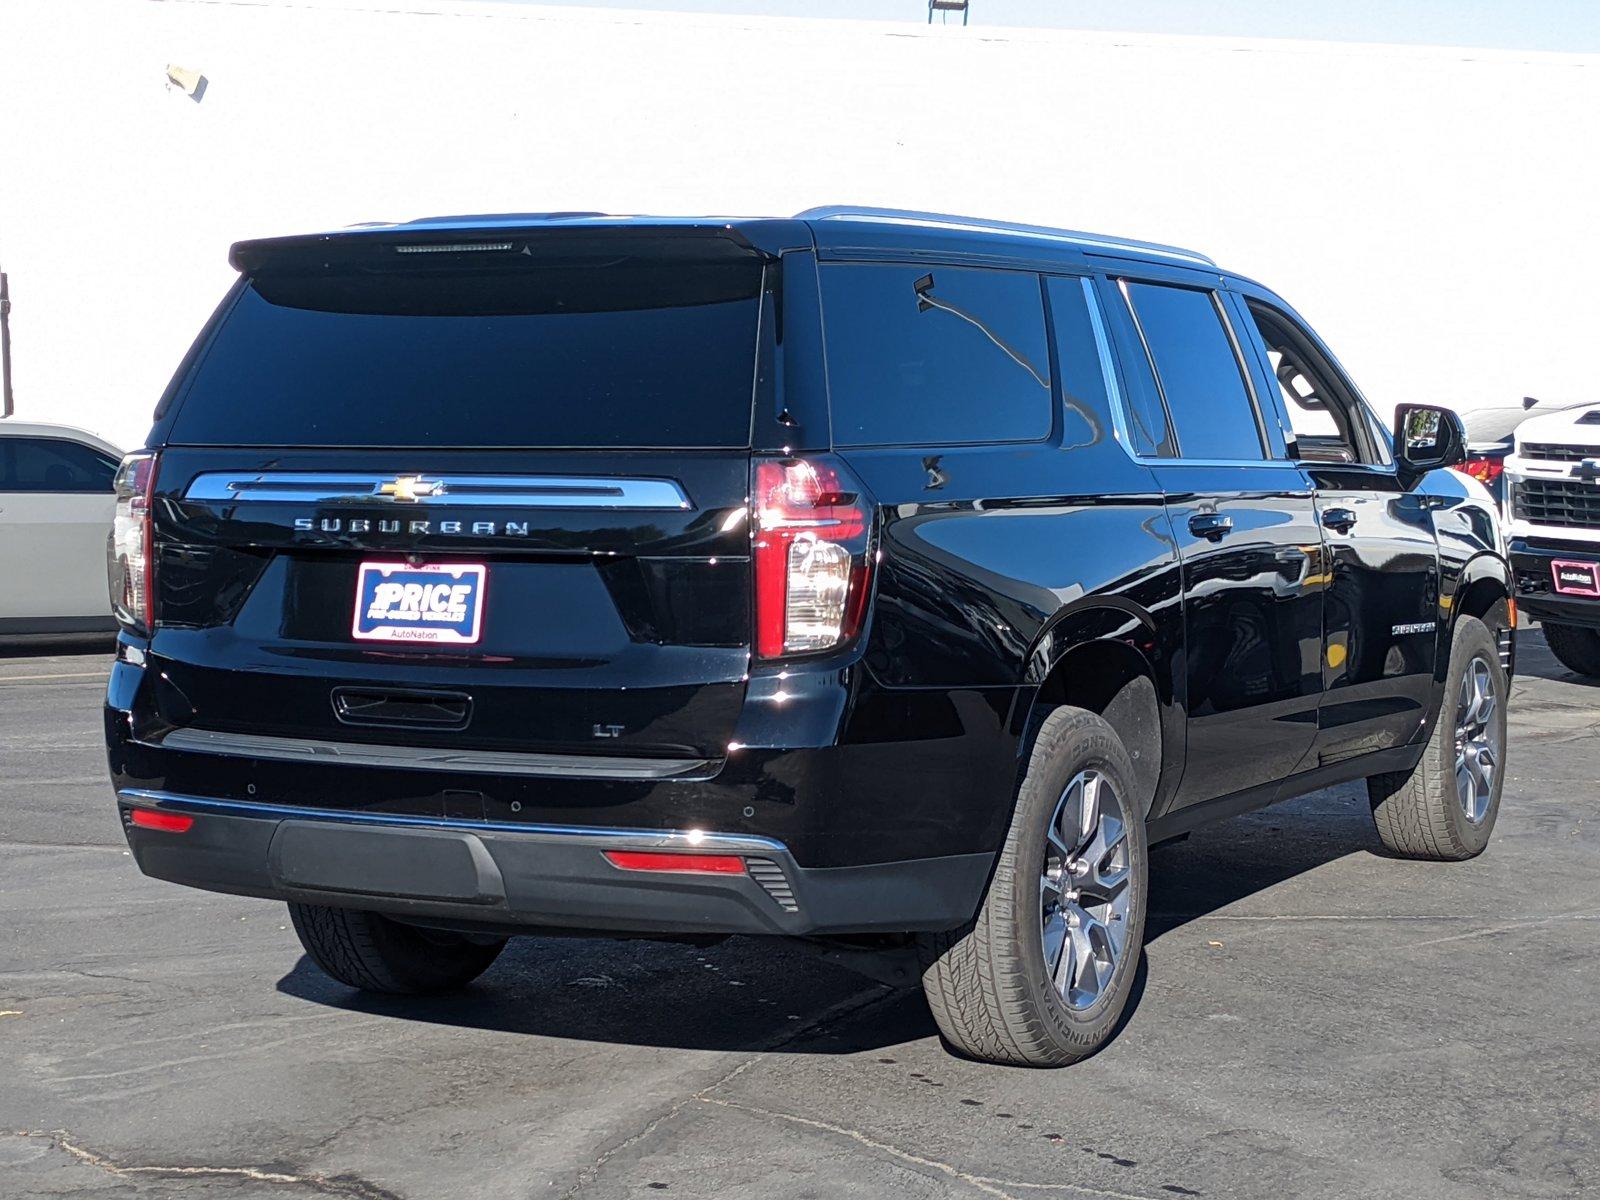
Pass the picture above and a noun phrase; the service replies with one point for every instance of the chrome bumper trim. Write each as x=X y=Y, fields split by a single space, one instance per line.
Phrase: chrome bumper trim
x=566 y=835
x=432 y=758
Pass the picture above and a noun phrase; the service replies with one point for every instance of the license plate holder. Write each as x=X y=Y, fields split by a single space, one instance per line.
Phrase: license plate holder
x=1576 y=578
x=434 y=603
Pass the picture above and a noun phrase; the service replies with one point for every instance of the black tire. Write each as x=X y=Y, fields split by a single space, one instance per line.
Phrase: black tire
x=988 y=983
x=369 y=951
x=1420 y=813
x=1577 y=648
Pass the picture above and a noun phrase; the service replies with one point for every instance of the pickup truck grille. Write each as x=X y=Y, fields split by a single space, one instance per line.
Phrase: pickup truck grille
x=1556 y=452
x=1557 y=502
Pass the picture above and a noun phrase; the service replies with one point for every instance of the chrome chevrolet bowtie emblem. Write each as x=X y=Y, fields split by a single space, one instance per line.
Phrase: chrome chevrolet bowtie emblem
x=411 y=487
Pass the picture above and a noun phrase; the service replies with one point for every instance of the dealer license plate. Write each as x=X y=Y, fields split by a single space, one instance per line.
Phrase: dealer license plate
x=436 y=602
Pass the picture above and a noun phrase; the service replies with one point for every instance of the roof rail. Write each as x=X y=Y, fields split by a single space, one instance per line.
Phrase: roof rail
x=904 y=216
x=458 y=218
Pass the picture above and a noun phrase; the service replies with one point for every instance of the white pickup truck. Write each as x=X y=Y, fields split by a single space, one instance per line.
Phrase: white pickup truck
x=1553 y=501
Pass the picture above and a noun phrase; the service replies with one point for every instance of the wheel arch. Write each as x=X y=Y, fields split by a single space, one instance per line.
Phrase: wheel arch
x=1102 y=657
x=1483 y=590
x=1484 y=582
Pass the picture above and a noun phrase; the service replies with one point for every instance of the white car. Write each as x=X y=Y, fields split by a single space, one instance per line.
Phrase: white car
x=56 y=506
x=1553 y=493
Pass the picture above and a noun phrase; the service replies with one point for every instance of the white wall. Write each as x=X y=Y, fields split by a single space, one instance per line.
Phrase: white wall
x=1430 y=210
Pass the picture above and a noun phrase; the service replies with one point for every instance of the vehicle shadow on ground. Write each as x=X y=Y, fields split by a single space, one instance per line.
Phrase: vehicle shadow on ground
x=745 y=994
x=753 y=994
x=1222 y=864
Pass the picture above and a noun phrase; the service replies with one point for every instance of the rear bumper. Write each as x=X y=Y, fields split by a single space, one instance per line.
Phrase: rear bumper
x=538 y=877
x=1535 y=583
x=838 y=770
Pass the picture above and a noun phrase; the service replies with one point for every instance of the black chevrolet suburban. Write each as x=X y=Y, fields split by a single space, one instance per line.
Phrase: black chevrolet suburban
x=886 y=580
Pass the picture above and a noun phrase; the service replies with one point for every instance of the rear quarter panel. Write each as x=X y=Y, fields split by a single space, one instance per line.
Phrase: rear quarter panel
x=996 y=561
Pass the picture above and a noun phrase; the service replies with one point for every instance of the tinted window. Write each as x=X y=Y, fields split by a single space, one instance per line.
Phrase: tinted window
x=1212 y=413
x=920 y=357
x=623 y=351
x=1083 y=382
x=1148 y=429
x=53 y=465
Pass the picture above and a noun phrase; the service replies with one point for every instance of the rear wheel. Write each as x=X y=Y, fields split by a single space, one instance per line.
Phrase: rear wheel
x=1041 y=976
x=369 y=951
x=1577 y=648
x=1445 y=806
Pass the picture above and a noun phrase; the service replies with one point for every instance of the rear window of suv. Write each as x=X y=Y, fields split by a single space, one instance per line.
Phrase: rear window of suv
x=616 y=352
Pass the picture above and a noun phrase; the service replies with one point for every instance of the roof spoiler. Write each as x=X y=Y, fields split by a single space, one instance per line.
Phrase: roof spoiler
x=495 y=240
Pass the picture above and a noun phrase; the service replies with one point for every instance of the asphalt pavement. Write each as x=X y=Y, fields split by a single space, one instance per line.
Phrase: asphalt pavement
x=1313 y=1020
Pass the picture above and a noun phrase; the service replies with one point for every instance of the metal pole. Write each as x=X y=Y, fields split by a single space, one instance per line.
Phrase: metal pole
x=7 y=401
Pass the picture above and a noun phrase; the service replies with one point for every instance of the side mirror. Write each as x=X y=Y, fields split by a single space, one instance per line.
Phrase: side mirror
x=1427 y=438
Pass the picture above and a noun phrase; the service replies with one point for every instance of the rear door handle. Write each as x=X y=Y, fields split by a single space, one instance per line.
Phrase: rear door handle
x=1340 y=520
x=1212 y=526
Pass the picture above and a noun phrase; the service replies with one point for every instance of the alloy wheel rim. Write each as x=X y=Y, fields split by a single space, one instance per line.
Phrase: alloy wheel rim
x=1085 y=890
x=1478 y=749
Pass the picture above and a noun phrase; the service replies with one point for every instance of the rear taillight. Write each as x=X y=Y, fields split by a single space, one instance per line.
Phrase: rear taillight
x=130 y=557
x=812 y=564
x=1484 y=470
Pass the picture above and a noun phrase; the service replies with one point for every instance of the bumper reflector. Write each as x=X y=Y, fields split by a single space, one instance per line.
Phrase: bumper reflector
x=694 y=864
x=167 y=822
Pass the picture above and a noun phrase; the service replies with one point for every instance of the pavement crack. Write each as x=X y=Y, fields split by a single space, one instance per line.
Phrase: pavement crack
x=351 y=1186
x=1506 y=927
x=102 y=975
x=848 y=1007
x=988 y=1184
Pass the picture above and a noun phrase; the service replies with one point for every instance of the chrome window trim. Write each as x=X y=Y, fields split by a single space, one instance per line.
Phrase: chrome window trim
x=571 y=835
x=1155 y=376
x=1279 y=463
x=431 y=758
x=1108 y=369
x=456 y=491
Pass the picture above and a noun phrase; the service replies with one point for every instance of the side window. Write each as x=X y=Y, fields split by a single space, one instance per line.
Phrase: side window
x=1213 y=415
x=53 y=465
x=1079 y=362
x=1328 y=423
x=1149 y=432
x=930 y=357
